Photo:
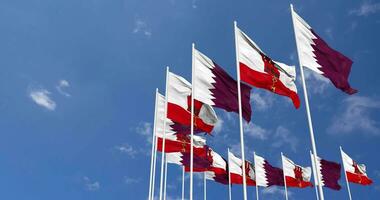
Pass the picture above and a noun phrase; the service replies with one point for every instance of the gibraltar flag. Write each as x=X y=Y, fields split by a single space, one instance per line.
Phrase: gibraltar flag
x=235 y=169
x=181 y=144
x=213 y=86
x=259 y=70
x=179 y=106
x=356 y=173
x=295 y=175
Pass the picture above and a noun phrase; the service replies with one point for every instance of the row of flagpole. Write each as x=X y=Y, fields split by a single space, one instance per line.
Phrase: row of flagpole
x=163 y=172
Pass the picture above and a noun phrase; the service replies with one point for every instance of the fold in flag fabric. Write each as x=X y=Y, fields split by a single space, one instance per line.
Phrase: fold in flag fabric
x=318 y=56
x=329 y=172
x=259 y=70
x=179 y=105
x=218 y=170
x=266 y=174
x=296 y=175
x=236 y=171
x=356 y=173
x=213 y=86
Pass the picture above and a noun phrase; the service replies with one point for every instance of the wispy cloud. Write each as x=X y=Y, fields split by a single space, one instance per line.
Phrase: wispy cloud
x=316 y=83
x=366 y=8
x=261 y=100
x=145 y=129
x=62 y=85
x=275 y=191
x=356 y=116
x=91 y=185
x=283 y=137
x=127 y=149
x=130 y=180
x=218 y=126
x=42 y=98
x=255 y=131
x=194 y=4
x=329 y=32
x=141 y=27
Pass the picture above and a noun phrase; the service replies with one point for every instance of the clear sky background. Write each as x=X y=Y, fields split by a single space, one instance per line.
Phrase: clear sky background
x=77 y=86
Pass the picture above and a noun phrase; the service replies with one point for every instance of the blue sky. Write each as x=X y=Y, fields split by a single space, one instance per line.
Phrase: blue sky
x=77 y=86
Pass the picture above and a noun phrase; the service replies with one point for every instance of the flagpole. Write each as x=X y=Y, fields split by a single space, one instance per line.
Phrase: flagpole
x=229 y=175
x=314 y=176
x=314 y=148
x=153 y=147
x=183 y=182
x=204 y=186
x=192 y=122
x=240 y=113
x=154 y=163
x=286 y=189
x=257 y=187
x=345 y=174
x=166 y=175
x=164 y=135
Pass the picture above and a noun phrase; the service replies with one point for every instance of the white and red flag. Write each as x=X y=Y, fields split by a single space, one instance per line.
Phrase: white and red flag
x=236 y=171
x=296 y=175
x=259 y=70
x=329 y=172
x=266 y=174
x=315 y=54
x=218 y=169
x=215 y=87
x=179 y=106
x=356 y=173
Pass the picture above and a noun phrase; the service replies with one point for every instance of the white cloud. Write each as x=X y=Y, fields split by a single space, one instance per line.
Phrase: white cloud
x=255 y=131
x=366 y=8
x=218 y=126
x=283 y=137
x=275 y=191
x=356 y=116
x=127 y=149
x=329 y=32
x=145 y=129
x=261 y=100
x=141 y=27
x=91 y=185
x=129 y=180
x=316 y=83
x=194 y=4
x=62 y=84
x=41 y=97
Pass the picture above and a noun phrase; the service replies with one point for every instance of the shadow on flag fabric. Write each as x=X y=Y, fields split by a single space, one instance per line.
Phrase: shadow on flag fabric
x=213 y=86
x=356 y=173
x=329 y=172
x=296 y=175
x=259 y=70
x=266 y=174
x=236 y=172
x=318 y=56
x=179 y=106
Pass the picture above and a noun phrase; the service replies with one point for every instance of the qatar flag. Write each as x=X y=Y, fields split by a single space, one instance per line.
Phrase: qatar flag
x=218 y=170
x=315 y=54
x=202 y=159
x=266 y=174
x=259 y=70
x=179 y=105
x=328 y=171
x=296 y=175
x=213 y=86
x=235 y=165
x=356 y=173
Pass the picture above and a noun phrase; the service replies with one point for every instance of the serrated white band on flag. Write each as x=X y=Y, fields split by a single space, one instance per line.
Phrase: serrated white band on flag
x=261 y=178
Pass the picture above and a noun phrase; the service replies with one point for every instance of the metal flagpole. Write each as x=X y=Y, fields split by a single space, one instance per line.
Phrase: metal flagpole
x=257 y=187
x=314 y=176
x=154 y=164
x=166 y=176
x=204 y=186
x=314 y=148
x=164 y=135
x=345 y=174
x=240 y=113
x=153 y=148
x=183 y=182
x=192 y=122
x=229 y=175
x=286 y=189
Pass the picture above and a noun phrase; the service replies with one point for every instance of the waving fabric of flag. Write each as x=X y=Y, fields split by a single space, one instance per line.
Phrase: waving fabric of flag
x=215 y=87
x=356 y=173
x=329 y=172
x=259 y=70
x=236 y=172
x=266 y=174
x=295 y=175
x=315 y=54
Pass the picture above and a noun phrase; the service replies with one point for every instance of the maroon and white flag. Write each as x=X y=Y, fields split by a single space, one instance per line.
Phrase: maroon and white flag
x=235 y=165
x=266 y=174
x=356 y=173
x=213 y=86
x=259 y=70
x=179 y=106
x=218 y=169
x=296 y=175
x=318 y=56
x=329 y=172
